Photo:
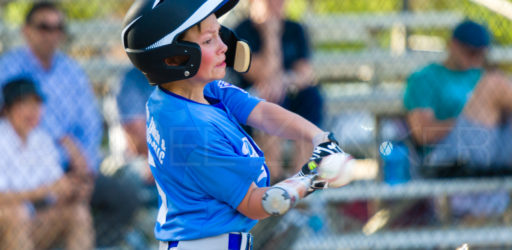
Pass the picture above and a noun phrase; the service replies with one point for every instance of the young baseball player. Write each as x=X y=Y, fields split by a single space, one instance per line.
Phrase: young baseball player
x=211 y=176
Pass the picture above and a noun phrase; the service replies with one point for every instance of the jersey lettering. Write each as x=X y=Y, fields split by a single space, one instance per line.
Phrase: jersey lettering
x=156 y=143
x=247 y=148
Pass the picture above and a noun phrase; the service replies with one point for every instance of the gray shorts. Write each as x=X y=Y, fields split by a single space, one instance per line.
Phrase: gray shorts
x=474 y=145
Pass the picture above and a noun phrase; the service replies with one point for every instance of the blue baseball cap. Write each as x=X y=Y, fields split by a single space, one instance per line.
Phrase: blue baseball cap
x=473 y=34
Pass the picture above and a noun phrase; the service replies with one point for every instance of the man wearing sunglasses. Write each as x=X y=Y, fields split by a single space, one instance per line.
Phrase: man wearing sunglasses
x=70 y=112
x=44 y=32
x=459 y=114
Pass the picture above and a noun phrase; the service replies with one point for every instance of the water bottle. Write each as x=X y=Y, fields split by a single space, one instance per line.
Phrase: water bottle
x=395 y=157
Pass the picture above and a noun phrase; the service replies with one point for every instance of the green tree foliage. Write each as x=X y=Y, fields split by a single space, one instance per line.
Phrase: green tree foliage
x=336 y=6
x=15 y=11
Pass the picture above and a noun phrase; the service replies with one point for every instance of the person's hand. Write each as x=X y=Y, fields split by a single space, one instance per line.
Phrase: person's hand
x=84 y=186
x=326 y=144
x=63 y=189
x=271 y=90
x=77 y=161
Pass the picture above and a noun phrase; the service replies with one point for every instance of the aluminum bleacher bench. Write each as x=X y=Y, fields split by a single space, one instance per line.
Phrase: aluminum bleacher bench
x=427 y=238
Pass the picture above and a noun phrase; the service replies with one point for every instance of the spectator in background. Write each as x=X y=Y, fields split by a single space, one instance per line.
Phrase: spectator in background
x=37 y=205
x=70 y=113
x=281 y=73
x=71 y=117
x=459 y=112
x=131 y=100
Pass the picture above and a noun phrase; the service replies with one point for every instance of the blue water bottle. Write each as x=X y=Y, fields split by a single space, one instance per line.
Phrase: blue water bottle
x=395 y=157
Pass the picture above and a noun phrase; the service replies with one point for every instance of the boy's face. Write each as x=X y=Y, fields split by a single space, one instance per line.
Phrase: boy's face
x=25 y=114
x=213 y=49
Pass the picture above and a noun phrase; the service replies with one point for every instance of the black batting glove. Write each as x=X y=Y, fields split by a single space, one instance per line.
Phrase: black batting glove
x=321 y=150
x=329 y=147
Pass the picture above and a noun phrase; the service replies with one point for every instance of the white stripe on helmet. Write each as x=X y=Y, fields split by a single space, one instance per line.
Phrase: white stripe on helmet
x=201 y=13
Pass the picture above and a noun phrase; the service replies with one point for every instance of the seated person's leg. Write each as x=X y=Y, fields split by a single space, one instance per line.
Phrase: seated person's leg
x=15 y=225
x=308 y=103
x=47 y=226
x=480 y=137
x=80 y=232
x=69 y=224
x=491 y=99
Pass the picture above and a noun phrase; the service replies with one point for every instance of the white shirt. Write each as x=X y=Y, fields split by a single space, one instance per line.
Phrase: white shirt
x=27 y=166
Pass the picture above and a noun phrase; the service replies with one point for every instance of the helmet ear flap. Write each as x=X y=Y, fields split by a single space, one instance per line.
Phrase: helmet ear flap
x=158 y=71
x=238 y=55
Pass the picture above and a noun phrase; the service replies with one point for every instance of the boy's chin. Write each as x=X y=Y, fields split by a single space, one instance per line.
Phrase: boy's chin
x=220 y=76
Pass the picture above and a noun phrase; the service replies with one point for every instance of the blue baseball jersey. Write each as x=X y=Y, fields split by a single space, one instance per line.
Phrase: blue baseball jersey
x=203 y=161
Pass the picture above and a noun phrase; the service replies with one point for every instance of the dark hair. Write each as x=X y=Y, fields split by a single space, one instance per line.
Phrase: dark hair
x=18 y=89
x=42 y=5
x=182 y=35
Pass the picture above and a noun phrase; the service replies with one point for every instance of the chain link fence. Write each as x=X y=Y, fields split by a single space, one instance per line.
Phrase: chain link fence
x=363 y=51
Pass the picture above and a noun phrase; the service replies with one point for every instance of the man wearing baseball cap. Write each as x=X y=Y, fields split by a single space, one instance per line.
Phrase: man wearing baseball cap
x=458 y=110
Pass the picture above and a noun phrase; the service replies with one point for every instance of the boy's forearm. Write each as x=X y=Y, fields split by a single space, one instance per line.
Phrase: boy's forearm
x=275 y=120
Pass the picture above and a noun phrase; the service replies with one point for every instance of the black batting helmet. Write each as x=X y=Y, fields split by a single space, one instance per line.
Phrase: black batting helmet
x=151 y=29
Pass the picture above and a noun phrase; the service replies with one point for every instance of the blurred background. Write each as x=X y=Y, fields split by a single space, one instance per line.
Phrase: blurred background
x=362 y=53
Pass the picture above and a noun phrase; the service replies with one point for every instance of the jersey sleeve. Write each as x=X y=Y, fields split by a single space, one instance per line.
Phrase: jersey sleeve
x=222 y=174
x=239 y=102
x=418 y=92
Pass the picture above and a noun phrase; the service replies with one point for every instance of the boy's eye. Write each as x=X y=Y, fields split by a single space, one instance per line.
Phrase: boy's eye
x=207 y=41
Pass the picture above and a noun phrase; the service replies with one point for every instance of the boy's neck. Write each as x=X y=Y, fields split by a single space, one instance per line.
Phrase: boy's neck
x=188 y=89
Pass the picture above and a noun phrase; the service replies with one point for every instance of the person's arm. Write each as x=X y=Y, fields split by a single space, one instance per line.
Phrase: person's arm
x=61 y=188
x=266 y=72
x=425 y=128
x=135 y=130
x=260 y=203
x=77 y=161
x=301 y=75
x=267 y=62
x=18 y=197
x=263 y=202
x=251 y=205
x=89 y=121
x=275 y=120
